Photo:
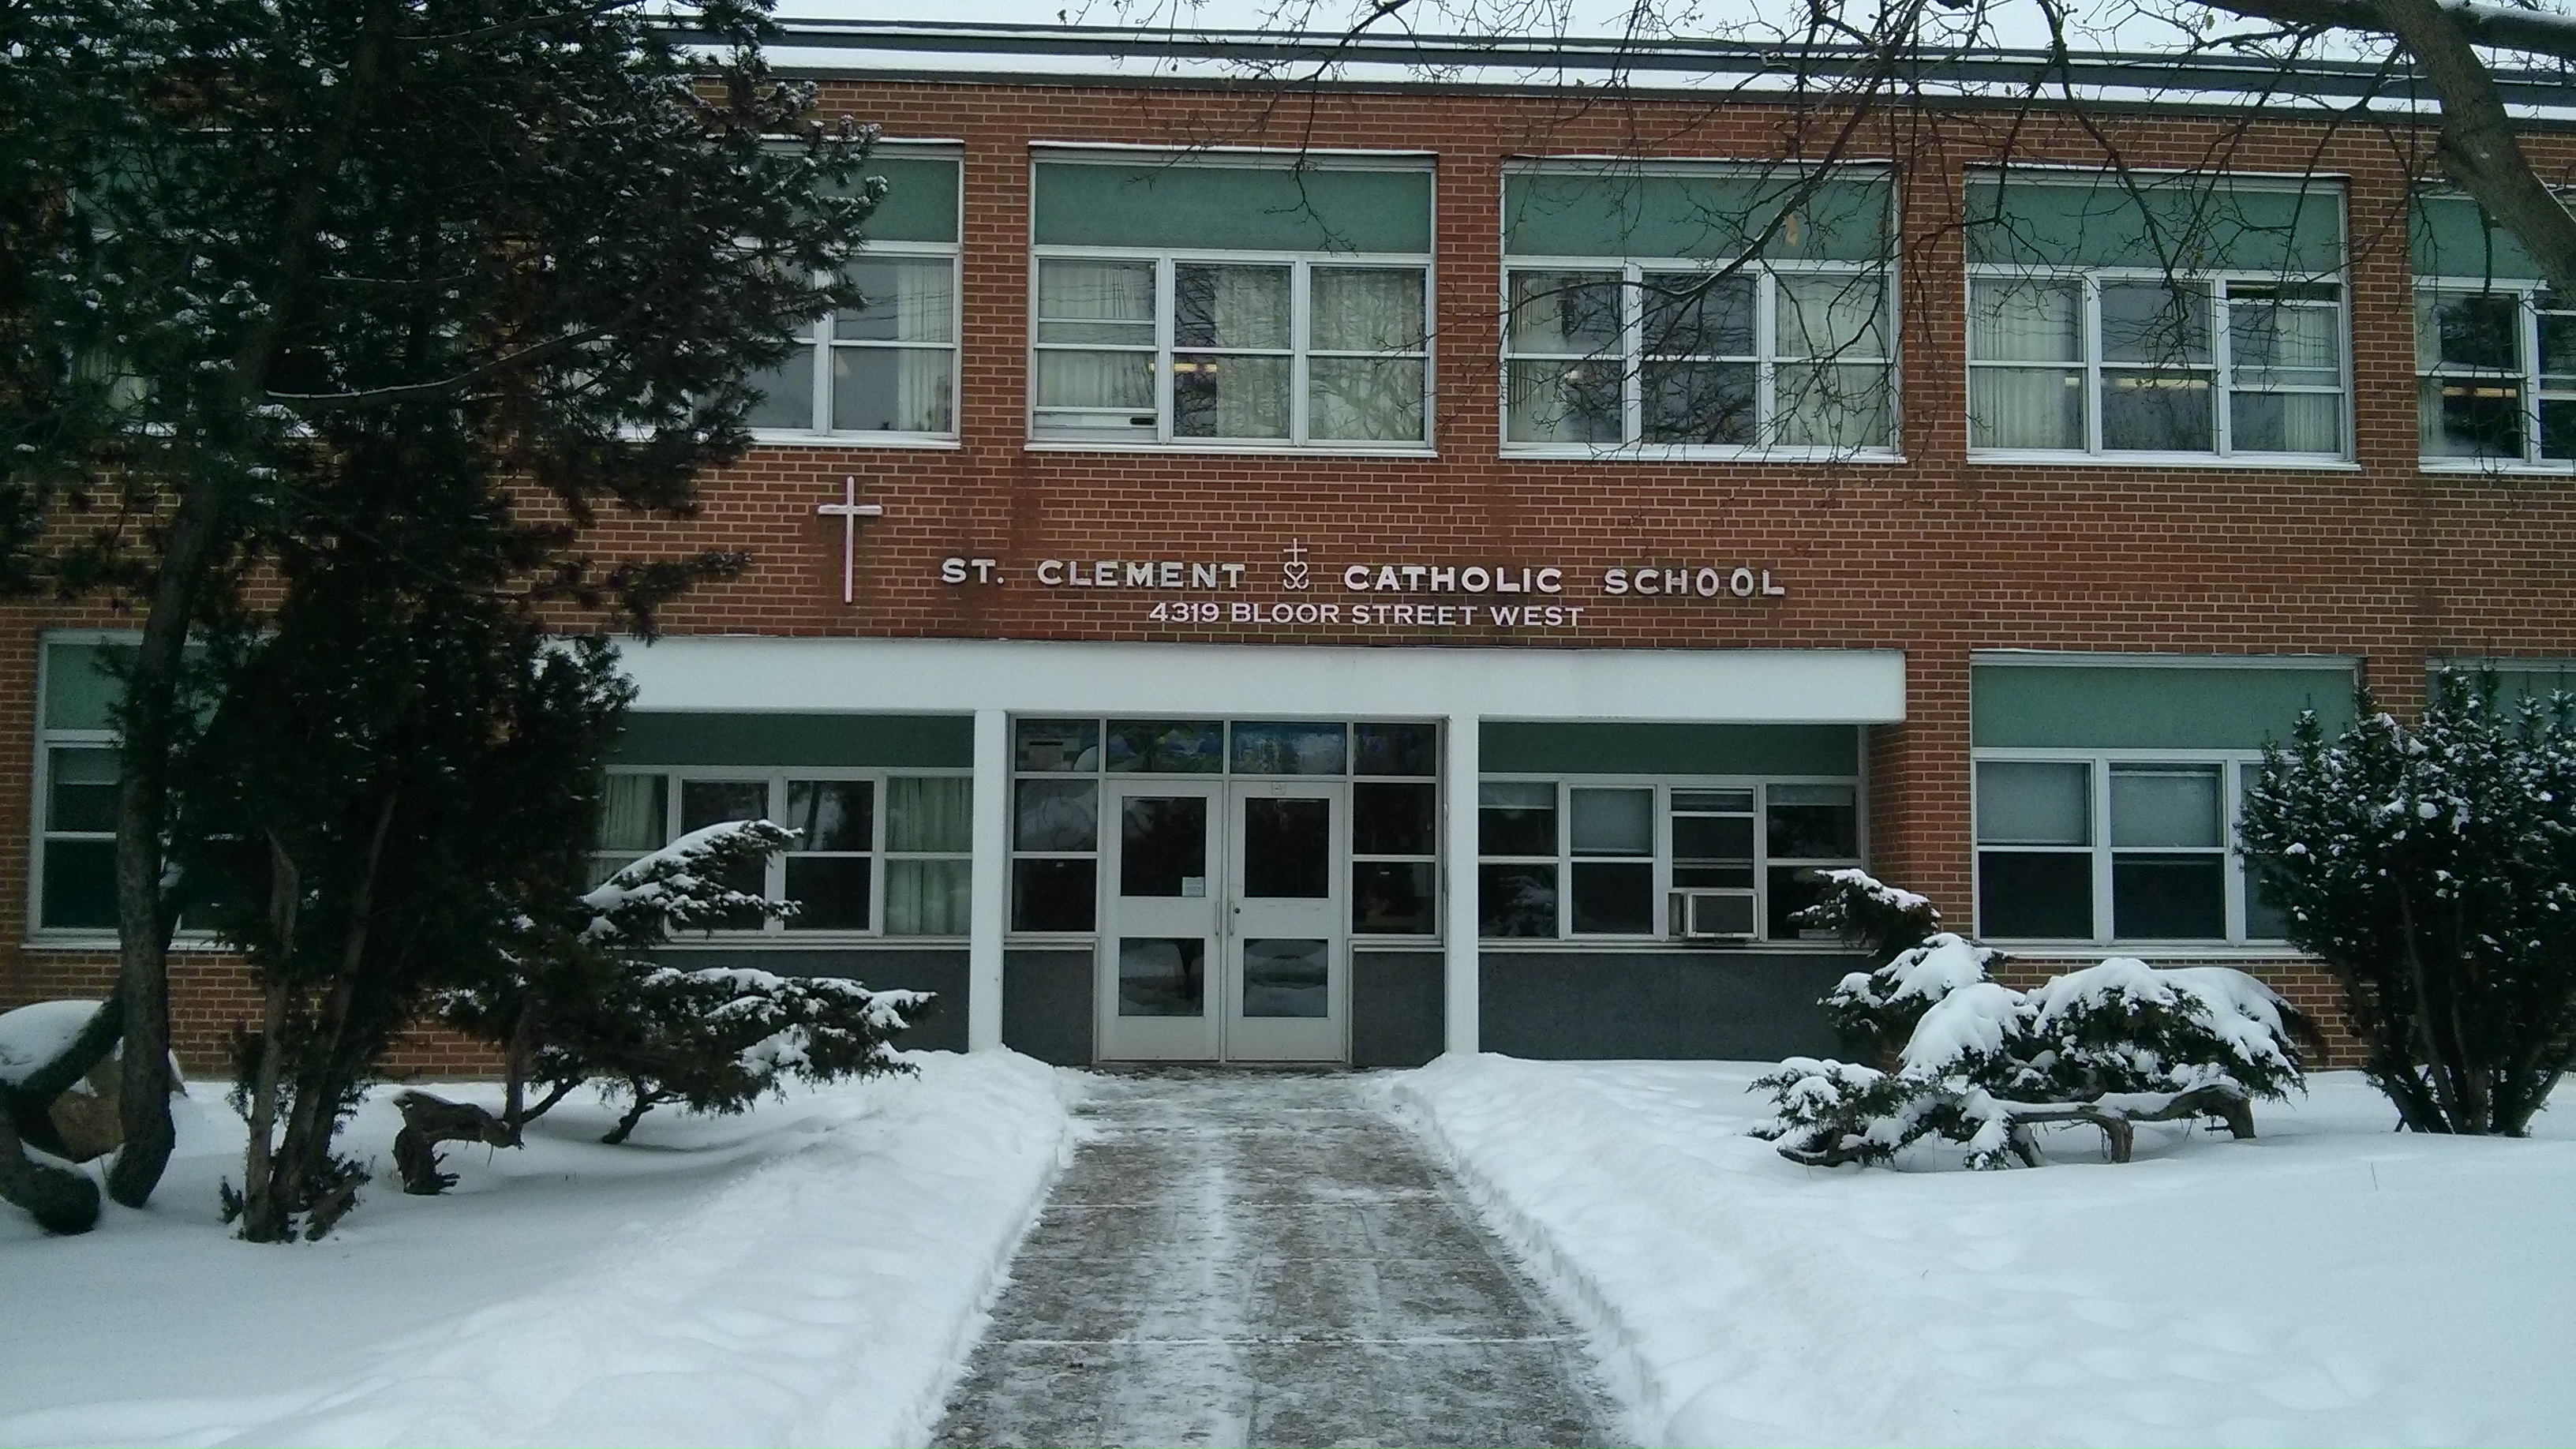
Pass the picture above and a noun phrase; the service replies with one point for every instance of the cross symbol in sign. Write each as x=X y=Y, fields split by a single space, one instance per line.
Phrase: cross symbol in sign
x=850 y=510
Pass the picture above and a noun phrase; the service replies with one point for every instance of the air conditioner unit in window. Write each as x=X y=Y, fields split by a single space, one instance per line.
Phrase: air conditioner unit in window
x=1713 y=915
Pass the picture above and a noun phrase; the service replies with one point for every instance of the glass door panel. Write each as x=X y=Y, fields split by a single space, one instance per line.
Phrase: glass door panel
x=1160 y=928
x=1287 y=989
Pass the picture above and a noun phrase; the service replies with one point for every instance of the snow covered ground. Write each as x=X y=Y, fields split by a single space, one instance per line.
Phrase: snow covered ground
x=811 y=1272
x=2329 y=1283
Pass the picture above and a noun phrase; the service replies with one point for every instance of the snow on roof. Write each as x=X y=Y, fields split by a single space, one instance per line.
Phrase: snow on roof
x=884 y=47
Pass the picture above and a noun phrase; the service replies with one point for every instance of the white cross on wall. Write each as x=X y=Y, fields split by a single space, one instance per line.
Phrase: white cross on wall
x=850 y=510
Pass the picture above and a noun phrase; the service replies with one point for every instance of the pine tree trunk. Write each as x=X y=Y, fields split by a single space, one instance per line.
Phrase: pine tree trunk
x=266 y=1217
x=645 y=1101
x=191 y=550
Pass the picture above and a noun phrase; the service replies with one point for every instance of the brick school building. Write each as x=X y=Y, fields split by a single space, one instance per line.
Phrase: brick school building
x=1434 y=552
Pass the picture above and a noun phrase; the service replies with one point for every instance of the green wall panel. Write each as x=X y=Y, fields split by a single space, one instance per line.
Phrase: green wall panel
x=79 y=692
x=2187 y=223
x=1249 y=208
x=920 y=203
x=2109 y=707
x=2452 y=236
x=1611 y=213
x=1529 y=748
x=883 y=740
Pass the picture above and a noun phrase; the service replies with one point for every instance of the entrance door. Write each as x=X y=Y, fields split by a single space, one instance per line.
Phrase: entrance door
x=1160 y=952
x=1287 y=978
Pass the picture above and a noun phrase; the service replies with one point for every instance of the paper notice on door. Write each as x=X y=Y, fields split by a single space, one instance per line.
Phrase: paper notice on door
x=1194 y=886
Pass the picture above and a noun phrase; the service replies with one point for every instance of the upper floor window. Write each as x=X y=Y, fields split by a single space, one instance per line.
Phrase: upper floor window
x=886 y=368
x=1242 y=303
x=2184 y=316
x=1697 y=310
x=2495 y=348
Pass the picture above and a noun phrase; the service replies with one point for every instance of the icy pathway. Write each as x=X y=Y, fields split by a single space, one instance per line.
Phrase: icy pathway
x=1264 y=1258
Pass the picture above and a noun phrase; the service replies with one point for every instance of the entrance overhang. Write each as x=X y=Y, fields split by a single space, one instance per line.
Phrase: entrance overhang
x=995 y=679
x=1709 y=686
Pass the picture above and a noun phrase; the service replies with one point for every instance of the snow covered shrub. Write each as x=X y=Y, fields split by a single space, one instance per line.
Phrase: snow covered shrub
x=581 y=998
x=1876 y=1010
x=2433 y=870
x=2110 y=1045
x=1871 y=914
x=1913 y=962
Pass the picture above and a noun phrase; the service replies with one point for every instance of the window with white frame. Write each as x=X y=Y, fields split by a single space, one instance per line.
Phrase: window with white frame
x=1697 y=309
x=876 y=853
x=73 y=889
x=2495 y=347
x=2176 y=316
x=886 y=368
x=1582 y=858
x=1236 y=302
x=2117 y=848
x=1392 y=766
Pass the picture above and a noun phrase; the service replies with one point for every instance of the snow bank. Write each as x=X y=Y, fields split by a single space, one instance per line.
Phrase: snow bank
x=2328 y=1283
x=811 y=1272
x=34 y=1035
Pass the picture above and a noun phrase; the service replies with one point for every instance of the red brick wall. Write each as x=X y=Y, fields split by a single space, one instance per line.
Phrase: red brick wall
x=1938 y=556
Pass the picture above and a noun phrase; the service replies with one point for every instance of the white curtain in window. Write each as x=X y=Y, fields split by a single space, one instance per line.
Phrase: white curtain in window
x=2026 y=321
x=1365 y=309
x=926 y=897
x=1095 y=291
x=930 y=813
x=630 y=815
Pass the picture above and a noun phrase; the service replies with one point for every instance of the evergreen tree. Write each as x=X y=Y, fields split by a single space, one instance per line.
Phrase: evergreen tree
x=248 y=231
x=2433 y=870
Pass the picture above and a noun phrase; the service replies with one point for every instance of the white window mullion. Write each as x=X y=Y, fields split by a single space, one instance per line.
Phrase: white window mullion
x=1164 y=331
x=2231 y=786
x=820 y=354
x=2222 y=368
x=1301 y=343
x=2104 y=928
x=1766 y=352
x=2093 y=365
x=2527 y=351
x=1632 y=354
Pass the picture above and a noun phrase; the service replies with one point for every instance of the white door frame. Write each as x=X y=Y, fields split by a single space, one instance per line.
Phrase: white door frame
x=1247 y=918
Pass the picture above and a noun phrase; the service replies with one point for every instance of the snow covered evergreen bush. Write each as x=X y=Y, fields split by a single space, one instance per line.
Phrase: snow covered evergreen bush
x=583 y=999
x=2433 y=870
x=1983 y=1065
x=1913 y=962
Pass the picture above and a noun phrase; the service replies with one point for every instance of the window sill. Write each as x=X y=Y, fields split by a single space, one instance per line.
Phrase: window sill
x=767 y=438
x=1580 y=944
x=2263 y=462
x=1776 y=457
x=1288 y=450
x=2458 y=466
x=803 y=941
x=2148 y=951
x=41 y=939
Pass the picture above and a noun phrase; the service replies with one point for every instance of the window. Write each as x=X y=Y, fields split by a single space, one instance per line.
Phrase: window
x=875 y=853
x=2191 y=317
x=1394 y=808
x=1231 y=304
x=1696 y=310
x=1585 y=858
x=2116 y=848
x=72 y=883
x=74 y=889
x=2495 y=349
x=886 y=368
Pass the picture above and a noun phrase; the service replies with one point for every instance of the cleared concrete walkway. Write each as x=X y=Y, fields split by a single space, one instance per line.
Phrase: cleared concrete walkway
x=1260 y=1258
